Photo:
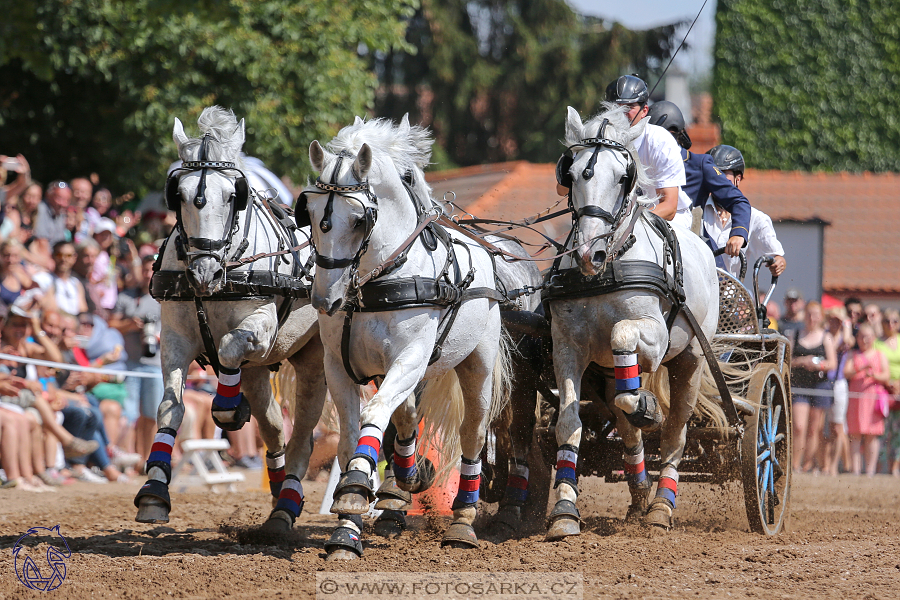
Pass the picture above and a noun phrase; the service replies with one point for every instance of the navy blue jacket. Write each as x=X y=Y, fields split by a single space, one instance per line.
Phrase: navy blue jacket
x=704 y=178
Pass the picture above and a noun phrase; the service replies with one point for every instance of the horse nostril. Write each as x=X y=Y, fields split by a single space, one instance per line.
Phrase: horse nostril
x=599 y=256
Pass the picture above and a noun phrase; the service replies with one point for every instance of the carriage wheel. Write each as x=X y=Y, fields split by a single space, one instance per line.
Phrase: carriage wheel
x=766 y=452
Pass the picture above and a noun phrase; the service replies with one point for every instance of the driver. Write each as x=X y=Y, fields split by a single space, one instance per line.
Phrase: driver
x=656 y=149
x=704 y=178
x=717 y=221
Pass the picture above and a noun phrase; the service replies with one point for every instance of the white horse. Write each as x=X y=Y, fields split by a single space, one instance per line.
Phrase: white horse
x=251 y=322
x=625 y=330
x=422 y=326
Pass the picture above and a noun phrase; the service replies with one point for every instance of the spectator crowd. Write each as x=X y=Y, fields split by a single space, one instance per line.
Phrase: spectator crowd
x=845 y=380
x=75 y=270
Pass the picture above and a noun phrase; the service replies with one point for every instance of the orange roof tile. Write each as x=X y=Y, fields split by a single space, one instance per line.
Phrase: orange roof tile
x=862 y=244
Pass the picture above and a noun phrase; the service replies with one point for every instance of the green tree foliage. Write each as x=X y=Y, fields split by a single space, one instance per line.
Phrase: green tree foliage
x=493 y=77
x=94 y=85
x=810 y=84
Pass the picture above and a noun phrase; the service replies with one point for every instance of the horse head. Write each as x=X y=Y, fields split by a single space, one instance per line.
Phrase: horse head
x=604 y=175
x=207 y=194
x=359 y=190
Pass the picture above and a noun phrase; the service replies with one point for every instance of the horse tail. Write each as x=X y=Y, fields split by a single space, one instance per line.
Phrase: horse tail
x=442 y=409
x=709 y=406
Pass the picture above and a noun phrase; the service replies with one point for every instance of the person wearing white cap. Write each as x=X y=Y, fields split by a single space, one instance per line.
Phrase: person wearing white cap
x=103 y=285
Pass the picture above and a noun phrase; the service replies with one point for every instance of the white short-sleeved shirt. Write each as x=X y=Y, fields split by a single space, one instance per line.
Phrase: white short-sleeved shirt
x=761 y=240
x=661 y=157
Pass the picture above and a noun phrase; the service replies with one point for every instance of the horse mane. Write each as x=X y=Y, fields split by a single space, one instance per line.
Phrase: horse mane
x=221 y=125
x=618 y=126
x=400 y=147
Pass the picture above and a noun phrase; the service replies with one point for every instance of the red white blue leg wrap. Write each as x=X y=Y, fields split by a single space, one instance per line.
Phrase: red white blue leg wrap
x=668 y=484
x=469 y=482
x=228 y=393
x=369 y=444
x=634 y=466
x=517 y=482
x=161 y=452
x=405 y=458
x=566 y=461
x=628 y=371
x=275 y=467
x=290 y=499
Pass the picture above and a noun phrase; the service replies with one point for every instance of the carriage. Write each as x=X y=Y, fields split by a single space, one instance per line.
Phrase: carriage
x=754 y=448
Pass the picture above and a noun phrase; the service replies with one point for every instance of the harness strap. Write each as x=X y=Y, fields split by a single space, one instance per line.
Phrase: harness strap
x=208 y=343
x=724 y=392
x=449 y=223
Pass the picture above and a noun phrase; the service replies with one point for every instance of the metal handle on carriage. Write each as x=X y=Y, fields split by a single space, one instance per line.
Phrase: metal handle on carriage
x=761 y=312
x=743 y=258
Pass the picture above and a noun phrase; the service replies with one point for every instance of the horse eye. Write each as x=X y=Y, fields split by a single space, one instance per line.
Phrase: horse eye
x=360 y=221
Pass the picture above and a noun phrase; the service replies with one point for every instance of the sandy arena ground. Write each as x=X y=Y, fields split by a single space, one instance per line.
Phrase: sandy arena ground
x=843 y=542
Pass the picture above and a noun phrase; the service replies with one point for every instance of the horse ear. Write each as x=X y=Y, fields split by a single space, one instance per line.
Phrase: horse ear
x=358 y=121
x=574 y=126
x=404 y=123
x=238 y=136
x=363 y=162
x=178 y=133
x=316 y=156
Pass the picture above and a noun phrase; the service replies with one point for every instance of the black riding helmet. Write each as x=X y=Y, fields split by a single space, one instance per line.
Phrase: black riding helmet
x=627 y=89
x=727 y=158
x=669 y=117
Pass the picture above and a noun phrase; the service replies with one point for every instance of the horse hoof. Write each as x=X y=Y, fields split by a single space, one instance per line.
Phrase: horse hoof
x=391 y=497
x=460 y=535
x=390 y=524
x=504 y=525
x=341 y=555
x=275 y=525
x=635 y=513
x=152 y=510
x=351 y=503
x=425 y=476
x=659 y=515
x=562 y=528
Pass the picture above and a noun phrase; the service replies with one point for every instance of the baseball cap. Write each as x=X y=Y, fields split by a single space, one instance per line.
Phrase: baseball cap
x=793 y=294
x=105 y=224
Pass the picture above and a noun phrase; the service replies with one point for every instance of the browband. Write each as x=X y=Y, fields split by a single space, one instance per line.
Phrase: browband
x=207 y=164
x=331 y=187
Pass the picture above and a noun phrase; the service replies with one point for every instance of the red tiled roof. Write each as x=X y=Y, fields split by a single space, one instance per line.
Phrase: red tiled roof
x=862 y=244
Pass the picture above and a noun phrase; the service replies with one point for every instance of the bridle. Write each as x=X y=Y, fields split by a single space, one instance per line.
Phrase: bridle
x=217 y=249
x=370 y=215
x=614 y=243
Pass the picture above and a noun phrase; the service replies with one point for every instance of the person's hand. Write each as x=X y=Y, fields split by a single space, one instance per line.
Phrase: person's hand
x=11 y=385
x=23 y=167
x=733 y=245
x=778 y=265
x=56 y=401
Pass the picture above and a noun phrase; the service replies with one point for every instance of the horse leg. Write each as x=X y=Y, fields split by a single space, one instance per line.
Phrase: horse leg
x=176 y=353
x=522 y=403
x=639 y=483
x=352 y=494
x=637 y=341
x=569 y=363
x=685 y=371
x=402 y=475
x=284 y=482
x=475 y=378
x=636 y=345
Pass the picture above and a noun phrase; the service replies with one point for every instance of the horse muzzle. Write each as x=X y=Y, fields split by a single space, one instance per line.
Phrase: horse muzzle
x=590 y=261
x=326 y=306
x=206 y=276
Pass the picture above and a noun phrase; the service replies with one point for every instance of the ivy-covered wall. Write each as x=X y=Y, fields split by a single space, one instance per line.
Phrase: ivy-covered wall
x=810 y=85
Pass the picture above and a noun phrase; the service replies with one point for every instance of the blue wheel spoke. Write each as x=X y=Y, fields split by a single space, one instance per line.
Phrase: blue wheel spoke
x=778 y=438
x=763 y=456
x=764 y=488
